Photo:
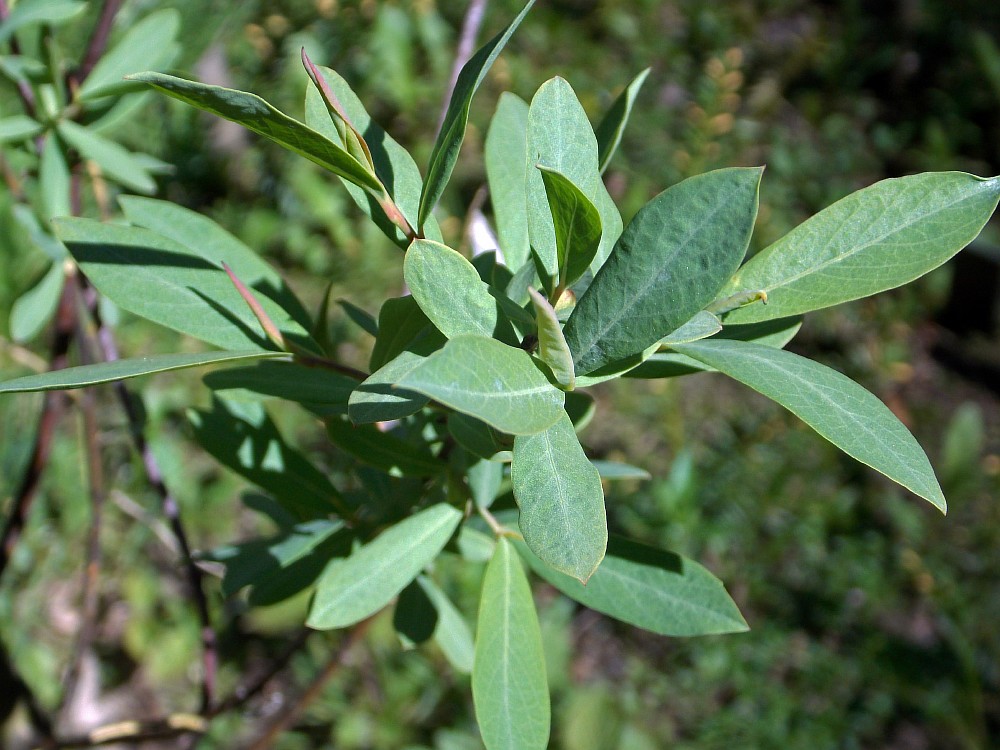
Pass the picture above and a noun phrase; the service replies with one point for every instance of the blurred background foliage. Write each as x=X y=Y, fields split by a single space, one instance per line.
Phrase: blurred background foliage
x=874 y=620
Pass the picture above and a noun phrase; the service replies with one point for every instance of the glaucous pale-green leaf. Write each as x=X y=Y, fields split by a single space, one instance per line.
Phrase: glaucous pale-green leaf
x=257 y=115
x=33 y=310
x=115 y=162
x=402 y=326
x=451 y=633
x=561 y=499
x=612 y=125
x=321 y=390
x=358 y=586
x=872 y=240
x=18 y=128
x=484 y=478
x=618 y=368
x=28 y=12
x=506 y=167
x=444 y=155
x=148 y=44
x=383 y=450
x=449 y=291
x=242 y=437
x=576 y=222
x=377 y=399
x=614 y=470
x=105 y=372
x=393 y=164
x=652 y=589
x=832 y=404
x=163 y=281
x=669 y=263
x=54 y=179
x=491 y=381
x=509 y=687
x=702 y=325
x=552 y=348
x=32 y=230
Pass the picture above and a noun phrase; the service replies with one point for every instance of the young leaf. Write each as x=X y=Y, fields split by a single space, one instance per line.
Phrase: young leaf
x=33 y=310
x=383 y=450
x=506 y=171
x=577 y=225
x=490 y=381
x=106 y=372
x=832 y=404
x=27 y=13
x=18 y=128
x=561 y=499
x=875 y=239
x=509 y=686
x=115 y=162
x=257 y=115
x=609 y=131
x=444 y=155
x=652 y=589
x=552 y=348
x=358 y=586
x=449 y=291
x=378 y=400
x=646 y=289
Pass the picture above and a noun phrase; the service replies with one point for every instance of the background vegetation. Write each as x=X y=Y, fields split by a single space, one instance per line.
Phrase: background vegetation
x=873 y=618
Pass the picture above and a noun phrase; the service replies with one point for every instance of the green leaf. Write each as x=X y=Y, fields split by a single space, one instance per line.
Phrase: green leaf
x=449 y=291
x=479 y=438
x=506 y=171
x=319 y=389
x=115 y=162
x=54 y=179
x=490 y=381
x=577 y=225
x=609 y=131
x=509 y=686
x=561 y=499
x=148 y=44
x=444 y=155
x=452 y=633
x=361 y=318
x=33 y=310
x=648 y=287
x=358 y=586
x=616 y=369
x=414 y=617
x=484 y=478
x=402 y=326
x=613 y=470
x=163 y=281
x=701 y=326
x=832 y=404
x=552 y=348
x=257 y=115
x=872 y=240
x=105 y=372
x=383 y=450
x=243 y=438
x=18 y=128
x=28 y=12
x=652 y=589
x=378 y=400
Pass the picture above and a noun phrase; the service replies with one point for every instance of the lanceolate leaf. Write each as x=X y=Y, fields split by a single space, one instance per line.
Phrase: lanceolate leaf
x=115 y=162
x=452 y=632
x=18 y=128
x=577 y=225
x=647 y=289
x=701 y=326
x=316 y=388
x=490 y=381
x=552 y=348
x=832 y=404
x=378 y=400
x=561 y=499
x=105 y=372
x=609 y=131
x=449 y=291
x=509 y=686
x=257 y=115
x=875 y=239
x=506 y=168
x=358 y=586
x=652 y=589
x=33 y=310
x=449 y=141
x=26 y=13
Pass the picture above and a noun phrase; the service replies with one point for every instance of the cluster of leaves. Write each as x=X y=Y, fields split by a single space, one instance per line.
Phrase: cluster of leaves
x=475 y=379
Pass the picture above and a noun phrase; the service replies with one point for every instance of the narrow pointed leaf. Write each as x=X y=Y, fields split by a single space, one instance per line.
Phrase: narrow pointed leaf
x=484 y=478
x=652 y=589
x=613 y=470
x=478 y=438
x=561 y=499
x=383 y=450
x=54 y=179
x=832 y=404
x=358 y=586
x=115 y=162
x=377 y=399
x=506 y=171
x=875 y=239
x=609 y=131
x=25 y=13
x=257 y=115
x=552 y=348
x=316 y=388
x=491 y=381
x=509 y=686
x=701 y=326
x=106 y=372
x=449 y=141
x=451 y=633
x=449 y=291
x=577 y=225
x=646 y=289
x=361 y=318
x=33 y=310
x=18 y=128
x=402 y=326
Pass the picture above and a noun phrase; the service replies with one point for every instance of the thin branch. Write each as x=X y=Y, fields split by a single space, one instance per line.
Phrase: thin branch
x=98 y=41
x=466 y=46
x=169 y=727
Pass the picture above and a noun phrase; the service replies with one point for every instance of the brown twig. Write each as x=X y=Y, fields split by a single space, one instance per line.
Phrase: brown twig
x=133 y=732
x=98 y=41
x=466 y=46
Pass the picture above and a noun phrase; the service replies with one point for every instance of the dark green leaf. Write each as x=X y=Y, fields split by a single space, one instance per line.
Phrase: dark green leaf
x=402 y=326
x=415 y=617
x=361 y=318
x=609 y=131
x=317 y=388
x=479 y=438
x=577 y=225
x=383 y=450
